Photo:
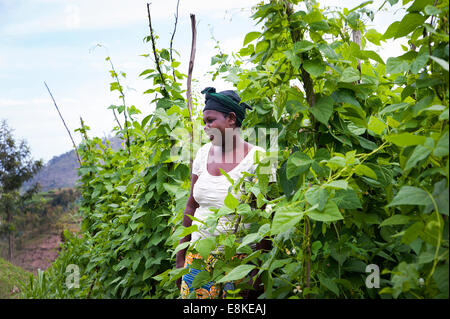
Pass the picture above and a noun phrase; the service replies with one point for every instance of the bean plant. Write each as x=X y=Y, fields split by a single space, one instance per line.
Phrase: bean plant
x=360 y=205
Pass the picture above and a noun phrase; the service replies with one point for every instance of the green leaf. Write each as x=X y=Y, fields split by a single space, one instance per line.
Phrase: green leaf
x=181 y=247
x=418 y=5
x=364 y=170
x=393 y=107
x=376 y=125
x=147 y=71
x=231 y=201
x=121 y=189
x=405 y=139
x=353 y=19
x=412 y=232
x=328 y=51
x=337 y=161
x=366 y=143
x=323 y=109
x=317 y=195
x=165 y=54
x=396 y=65
x=339 y=184
x=172 y=189
x=409 y=23
x=302 y=46
x=329 y=284
x=444 y=115
x=295 y=60
x=285 y=218
x=428 y=82
x=237 y=273
x=373 y=55
x=373 y=36
x=419 y=63
x=329 y=214
x=440 y=276
x=410 y=195
x=287 y=185
x=432 y=10
x=396 y=220
x=441 y=196
x=200 y=279
x=391 y=30
x=442 y=146
x=205 y=246
x=249 y=37
x=314 y=67
x=420 y=152
x=319 y=26
x=350 y=75
x=422 y=104
x=227 y=176
x=441 y=62
x=347 y=199
x=297 y=164
x=250 y=238
x=138 y=215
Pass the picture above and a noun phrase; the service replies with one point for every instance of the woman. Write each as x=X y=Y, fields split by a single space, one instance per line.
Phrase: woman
x=223 y=115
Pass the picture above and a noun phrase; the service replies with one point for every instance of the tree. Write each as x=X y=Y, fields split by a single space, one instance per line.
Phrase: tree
x=16 y=167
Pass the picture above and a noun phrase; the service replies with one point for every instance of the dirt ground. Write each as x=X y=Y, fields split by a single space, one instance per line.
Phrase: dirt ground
x=39 y=253
x=42 y=250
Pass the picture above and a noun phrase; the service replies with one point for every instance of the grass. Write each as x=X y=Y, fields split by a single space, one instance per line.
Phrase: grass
x=12 y=279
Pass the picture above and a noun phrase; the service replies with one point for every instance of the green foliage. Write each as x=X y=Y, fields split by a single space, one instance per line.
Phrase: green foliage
x=36 y=211
x=13 y=280
x=362 y=175
x=364 y=150
x=16 y=167
x=130 y=200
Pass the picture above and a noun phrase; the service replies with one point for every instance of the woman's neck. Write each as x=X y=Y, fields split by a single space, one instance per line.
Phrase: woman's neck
x=232 y=142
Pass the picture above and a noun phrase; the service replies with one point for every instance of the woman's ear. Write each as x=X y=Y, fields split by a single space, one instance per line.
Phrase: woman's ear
x=232 y=120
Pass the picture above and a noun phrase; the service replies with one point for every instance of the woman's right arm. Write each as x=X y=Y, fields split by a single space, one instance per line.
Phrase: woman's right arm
x=191 y=206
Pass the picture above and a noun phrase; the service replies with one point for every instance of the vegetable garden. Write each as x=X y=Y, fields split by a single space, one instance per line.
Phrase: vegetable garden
x=362 y=166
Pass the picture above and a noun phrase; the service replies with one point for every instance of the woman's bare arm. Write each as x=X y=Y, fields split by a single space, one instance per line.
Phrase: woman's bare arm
x=191 y=206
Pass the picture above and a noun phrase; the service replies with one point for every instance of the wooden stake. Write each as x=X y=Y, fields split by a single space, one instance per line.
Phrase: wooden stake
x=173 y=35
x=155 y=54
x=70 y=135
x=189 y=78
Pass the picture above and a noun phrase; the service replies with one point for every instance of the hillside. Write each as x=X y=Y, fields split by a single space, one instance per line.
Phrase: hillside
x=61 y=170
x=11 y=278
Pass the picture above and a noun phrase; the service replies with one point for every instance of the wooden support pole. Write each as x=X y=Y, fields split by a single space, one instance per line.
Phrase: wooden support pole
x=189 y=79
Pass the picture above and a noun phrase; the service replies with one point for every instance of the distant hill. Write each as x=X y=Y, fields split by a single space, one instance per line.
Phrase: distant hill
x=61 y=170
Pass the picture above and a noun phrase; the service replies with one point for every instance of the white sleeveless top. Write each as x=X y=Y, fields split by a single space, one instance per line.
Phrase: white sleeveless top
x=210 y=191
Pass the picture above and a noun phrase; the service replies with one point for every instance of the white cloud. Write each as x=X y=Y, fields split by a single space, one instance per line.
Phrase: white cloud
x=107 y=14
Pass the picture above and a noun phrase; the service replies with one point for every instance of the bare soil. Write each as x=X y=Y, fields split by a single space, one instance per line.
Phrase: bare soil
x=39 y=253
x=42 y=249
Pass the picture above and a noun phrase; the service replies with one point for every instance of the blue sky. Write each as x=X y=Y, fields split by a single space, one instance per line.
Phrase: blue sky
x=54 y=41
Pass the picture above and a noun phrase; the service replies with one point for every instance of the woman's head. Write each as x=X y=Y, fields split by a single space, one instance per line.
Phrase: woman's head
x=227 y=102
x=222 y=111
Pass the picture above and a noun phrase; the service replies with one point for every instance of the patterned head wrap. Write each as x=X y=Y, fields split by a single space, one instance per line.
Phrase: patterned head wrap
x=225 y=102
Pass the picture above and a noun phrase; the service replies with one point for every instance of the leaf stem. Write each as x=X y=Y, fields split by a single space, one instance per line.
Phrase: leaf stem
x=436 y=259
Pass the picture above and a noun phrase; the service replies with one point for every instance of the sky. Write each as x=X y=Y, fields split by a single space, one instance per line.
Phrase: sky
x=57 y=41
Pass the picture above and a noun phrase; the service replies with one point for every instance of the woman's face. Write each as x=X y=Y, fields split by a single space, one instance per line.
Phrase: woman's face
x=217 y=125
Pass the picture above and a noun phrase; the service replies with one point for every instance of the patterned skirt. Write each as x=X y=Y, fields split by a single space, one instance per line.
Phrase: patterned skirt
x=208 y=290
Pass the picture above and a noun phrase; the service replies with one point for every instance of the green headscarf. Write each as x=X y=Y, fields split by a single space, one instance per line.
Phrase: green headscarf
x=225 y=102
